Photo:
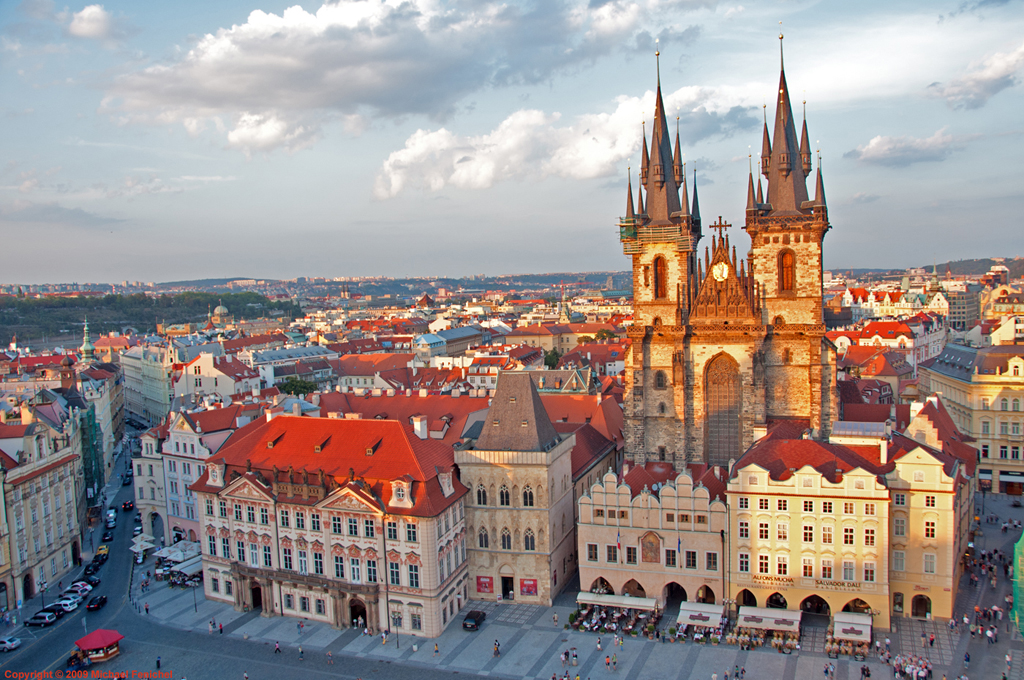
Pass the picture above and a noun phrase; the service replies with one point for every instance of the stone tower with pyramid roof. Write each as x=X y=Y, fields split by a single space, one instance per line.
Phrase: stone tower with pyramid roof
x=725 y=346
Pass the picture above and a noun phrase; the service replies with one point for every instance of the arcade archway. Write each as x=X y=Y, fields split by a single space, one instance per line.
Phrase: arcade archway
x=815 y=604
x=357 y=613
x=857 y=606
x=705 y=595
x=634 y=589
x=776 y=601
x=600 y=585
x=921 y=606
x=745 y=598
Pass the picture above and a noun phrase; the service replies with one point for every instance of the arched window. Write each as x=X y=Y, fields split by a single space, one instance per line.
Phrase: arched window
x=503 y=496
x=506 y=540
x=661 y=408
x=787 y=271
x=1016 y=370
x=660 y=380
x=481 y=495
x=529 y=542
x=722 y=408
x=660 y=278
x=1016 y=404
x=1004 y=404
x=482 y=538
x=527 y=497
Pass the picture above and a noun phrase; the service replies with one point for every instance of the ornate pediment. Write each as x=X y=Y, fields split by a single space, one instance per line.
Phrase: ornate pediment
x=348 y=499
x=246 y=488
x=725 y=293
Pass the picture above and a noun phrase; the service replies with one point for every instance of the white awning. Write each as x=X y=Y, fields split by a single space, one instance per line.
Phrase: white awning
x=141 y=547
x=625 y=601
x=189 y=564
x=765 y=618
x=142 y=537
x=853 y=627
x=699 y=614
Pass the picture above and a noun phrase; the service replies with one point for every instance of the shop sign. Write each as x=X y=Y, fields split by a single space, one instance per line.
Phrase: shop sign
x=837 y=585
x=773 y=580
x=528 y=586
x=922 y=589
x=484 y=584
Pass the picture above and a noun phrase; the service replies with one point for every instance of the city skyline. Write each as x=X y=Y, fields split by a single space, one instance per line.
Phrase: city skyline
x=280 y=140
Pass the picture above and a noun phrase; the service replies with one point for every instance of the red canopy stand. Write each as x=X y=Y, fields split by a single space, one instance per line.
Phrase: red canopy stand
x=101 y=644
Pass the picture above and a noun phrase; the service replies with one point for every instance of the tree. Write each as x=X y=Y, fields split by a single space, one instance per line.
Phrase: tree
x=584 y=339
x=605 y=334
x=297 y=386
x=551 y=358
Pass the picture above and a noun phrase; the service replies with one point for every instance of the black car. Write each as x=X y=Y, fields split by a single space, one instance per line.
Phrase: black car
x=96 y=603
x=91 y=568
x=54 y=609
x=127 y=481
x=91 y=580
x=127 y=505
x=474 y=619
x=108 y=536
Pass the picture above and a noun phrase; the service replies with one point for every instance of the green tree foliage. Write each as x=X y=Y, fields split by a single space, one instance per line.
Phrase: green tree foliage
x=584 y=339
x=604 y=334
x=297 y=386
x=551 y=358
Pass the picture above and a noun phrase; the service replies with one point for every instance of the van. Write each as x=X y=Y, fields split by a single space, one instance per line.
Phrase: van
x=111 y=514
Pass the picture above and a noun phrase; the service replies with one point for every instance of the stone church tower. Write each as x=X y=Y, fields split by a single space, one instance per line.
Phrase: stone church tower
x=723 y=346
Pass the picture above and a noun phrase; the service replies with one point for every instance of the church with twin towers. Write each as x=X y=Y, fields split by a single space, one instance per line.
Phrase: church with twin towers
x=726 y=343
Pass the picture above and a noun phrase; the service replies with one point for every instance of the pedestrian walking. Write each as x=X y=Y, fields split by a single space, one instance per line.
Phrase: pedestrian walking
x=277 y=648
x=562 y=657
x=220 y=627
x=245 y=675
x=607 y=662
x=300 y=652
x=599 y=643
x=967 y=659
x=158 y=663
x=436 y=652
x=887 y=643
x=931 y=640
x=147 y=607
x=615 y=662
x=298 y=626
x=330 y=658
x=210 y=626
x=554 y=618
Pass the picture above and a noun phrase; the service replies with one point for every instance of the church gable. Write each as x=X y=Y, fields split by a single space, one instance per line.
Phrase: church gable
x=246 y=488
x=726 y=293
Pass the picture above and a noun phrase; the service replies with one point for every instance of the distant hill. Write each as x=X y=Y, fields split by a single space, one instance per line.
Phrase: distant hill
x=200 y=283
x=979 y=267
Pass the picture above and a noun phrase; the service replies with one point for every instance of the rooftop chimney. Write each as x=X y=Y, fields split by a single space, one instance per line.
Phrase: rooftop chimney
x=419 y=426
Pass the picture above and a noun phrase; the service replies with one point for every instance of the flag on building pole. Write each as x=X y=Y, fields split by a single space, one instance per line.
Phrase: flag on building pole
x=618 y=544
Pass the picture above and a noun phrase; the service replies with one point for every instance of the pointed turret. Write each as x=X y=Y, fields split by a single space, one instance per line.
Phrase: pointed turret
x=677 y=162
x=629 y=197
x=684 y=198
x=658 y=178
x=751 y=198
x=819 y=190
x=766 y=146
x=760 y=194
x=805 y=146
x=695 y=211
x=787 y=190
x=644 y=157
x=640 y=201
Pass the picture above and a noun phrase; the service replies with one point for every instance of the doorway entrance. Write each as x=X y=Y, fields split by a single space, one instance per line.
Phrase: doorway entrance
x=28 y=587
x=256 y=592
x=921 y=606
x=508 y=588
x=76 y=554
x=357 y=613
x=815 y=604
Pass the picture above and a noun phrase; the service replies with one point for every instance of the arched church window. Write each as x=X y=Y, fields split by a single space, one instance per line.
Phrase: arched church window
x=656 y=322
x=483 y=539
x=660 y=380
x=660 y=278
x=778 y=322
x=503 y=496
x=506 y=539
x=661 y=408
x=481 y=495
x=529 y=542
x=527 y=497
x=723 y=402
x=787 y=271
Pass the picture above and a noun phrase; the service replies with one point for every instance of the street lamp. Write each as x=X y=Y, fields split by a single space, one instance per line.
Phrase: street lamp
x=195 y=603
x=42 y=590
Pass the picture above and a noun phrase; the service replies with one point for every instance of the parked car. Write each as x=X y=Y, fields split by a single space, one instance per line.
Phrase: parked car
x=78 y=587
x=68 y=604
x=91 y=580
x=127 y=505
x=140 y=557
x=9 y=644
x=108 y=536
x=103 y=550
x=42 y=619
x=127 y=480
x=96 y=603
x=111 y=523
x=54 y=609
x=91 y=569
x=137 y=530
x=473 y=620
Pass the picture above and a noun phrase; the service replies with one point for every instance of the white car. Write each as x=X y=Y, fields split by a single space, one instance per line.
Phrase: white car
x=9 y=644
x=80 y=588
x=67 y=604
x=74 y=597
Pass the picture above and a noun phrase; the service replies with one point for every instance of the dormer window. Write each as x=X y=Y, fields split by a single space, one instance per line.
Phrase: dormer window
x=400 y=493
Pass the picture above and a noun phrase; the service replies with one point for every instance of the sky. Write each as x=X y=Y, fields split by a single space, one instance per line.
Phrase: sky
x=160 y=141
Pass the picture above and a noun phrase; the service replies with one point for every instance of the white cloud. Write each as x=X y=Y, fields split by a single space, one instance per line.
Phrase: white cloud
x=985 y=80
x=27 y=212
x=92 y=22
x=905 y=150
x=281 y=78
x=530 y=143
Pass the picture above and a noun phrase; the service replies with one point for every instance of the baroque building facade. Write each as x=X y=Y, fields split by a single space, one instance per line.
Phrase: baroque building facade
x=722 y=345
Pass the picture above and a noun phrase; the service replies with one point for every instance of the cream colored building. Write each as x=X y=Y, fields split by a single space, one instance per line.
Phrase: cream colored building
x=147 y=383
x=150 y=497
x=339 y=521
x=656 y=533
x=983 y=390
x=520 y=508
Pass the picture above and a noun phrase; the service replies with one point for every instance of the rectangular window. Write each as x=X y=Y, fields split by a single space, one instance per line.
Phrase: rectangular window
x=630 y=555
x=264 y=516
x=670 y=518
x=826 y=570
x=238 y=512
x=670 y=558
x=808 y=567
x=592 y=552
x=762 y=503
x=744 y=529
x=410 y=532
x=808 y=506
x=335 y=525
x=869 y=572
x=368 y=528
x=318 y=563
x=394 y=573
x=762 y=564
x=214 y=585
x=417 y=621
x=745 y=563
x=414 y=576
x=250 y=514
x=899 y=526
x=899 y=499
x=240 y=545
x=612 y=553
x=711 y=561
x=353 y=526
x=782 y=532
x=869 y=537
x=929 y=529
x=209 y=507
x=848 y=536
x=304 y=604
x=808 y=533
x=929 y=563
x=899 y=560
x=286 y=558
x=782 y=505
x=392 y=529
x=826 y=535
x=228 y=587
x=781 y=565
x=314 y=521
x=826 y=507
x=929 y=501
x=268 y=556
x=284 y=519
x=223 y=508
x=289 y=601
x=300 y=520
x=254 y=555
x=848 y=508
x=339 y=566
x=303 y=562
x=984 y=450
x=371 y=571
x=212 y=540
x=762 y=531
x=225 y=547
x=691 y=559
x=321 y=606
x=353 y=565
x=848 y=567
x=744 y=503
x=1015 y=452
x=869 y=508
x=599 y=513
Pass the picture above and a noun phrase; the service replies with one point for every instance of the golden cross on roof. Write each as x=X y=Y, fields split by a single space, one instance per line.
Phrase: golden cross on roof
x=720 y=226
